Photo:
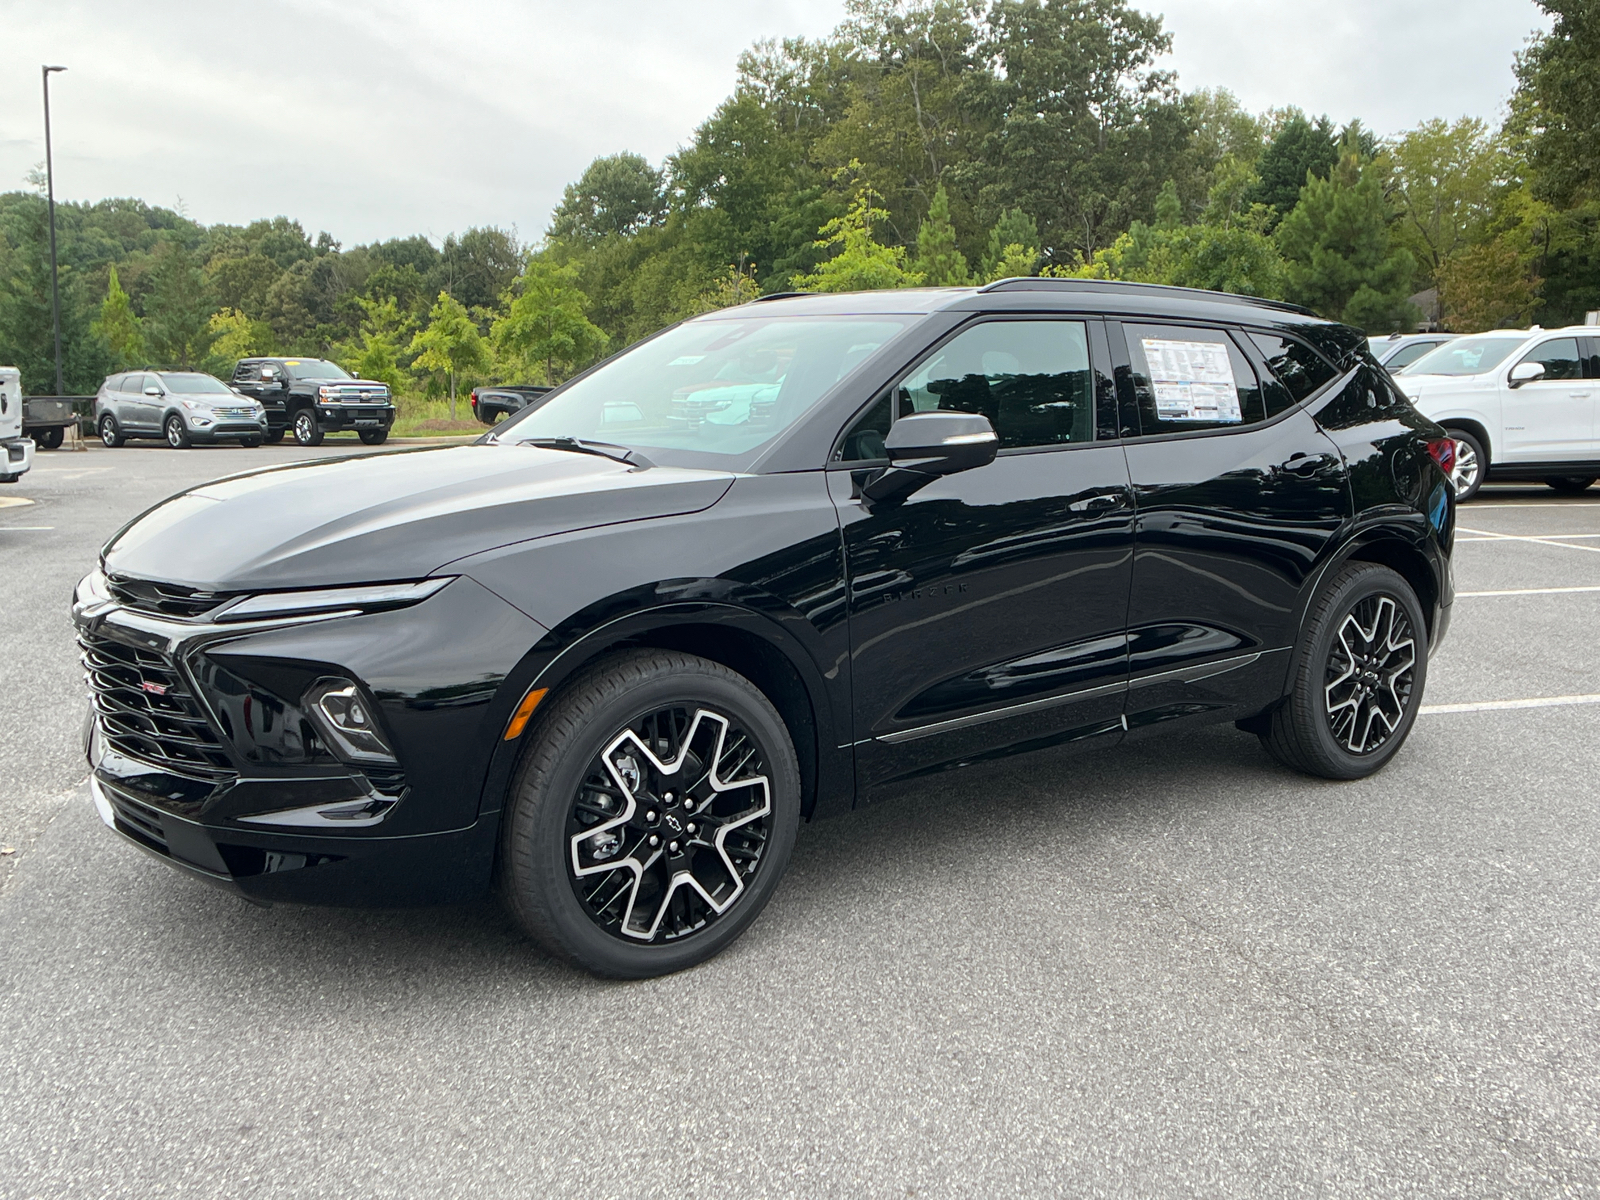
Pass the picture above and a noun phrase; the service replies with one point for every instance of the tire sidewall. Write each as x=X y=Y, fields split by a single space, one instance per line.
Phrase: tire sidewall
x=1350 y=591
x=110 y=437
x=181 y=441
x=302 y=419
x=554 y=767
x=1461 y=435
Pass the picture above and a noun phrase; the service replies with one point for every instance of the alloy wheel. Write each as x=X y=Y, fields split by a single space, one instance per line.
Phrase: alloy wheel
x=669 y=825
x=305 y=429
x=108 y=431
x=177 y=436
x=1464 y=475
x=1370 y=674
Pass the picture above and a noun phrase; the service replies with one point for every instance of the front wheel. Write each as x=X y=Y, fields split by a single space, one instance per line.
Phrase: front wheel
x=110 y=434
x=250 y=443
x=274 y=436
x=1570 y=485
x=651 y=817
x=306 y=430
x=1471 y=465
x=177 y=432
x=374 y=437
x=1358 y=685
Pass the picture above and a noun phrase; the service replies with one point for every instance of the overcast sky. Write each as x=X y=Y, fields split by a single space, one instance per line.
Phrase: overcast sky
x=382 y=118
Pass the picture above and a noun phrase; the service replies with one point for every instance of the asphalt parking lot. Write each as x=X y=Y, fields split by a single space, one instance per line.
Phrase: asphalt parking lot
x=1174 y=969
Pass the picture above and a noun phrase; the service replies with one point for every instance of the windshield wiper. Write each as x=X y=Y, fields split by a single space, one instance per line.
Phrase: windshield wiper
x=574 y=445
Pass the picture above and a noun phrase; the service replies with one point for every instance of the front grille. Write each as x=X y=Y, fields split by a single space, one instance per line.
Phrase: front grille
x=146 y=710
x=166 y=599
x=234 y=412
x=138 y=820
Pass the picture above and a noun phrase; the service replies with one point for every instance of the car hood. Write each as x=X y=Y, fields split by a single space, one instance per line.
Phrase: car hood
x=400 y=515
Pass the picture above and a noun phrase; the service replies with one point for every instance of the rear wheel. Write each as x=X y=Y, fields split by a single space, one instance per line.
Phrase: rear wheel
x=1472 y=464
x=1570 y=485
x=1355 y=694
x=306 y=430
x=110 y=434
x=651 y=817
x=374 y=437
x=177 y=432
x=49 y=439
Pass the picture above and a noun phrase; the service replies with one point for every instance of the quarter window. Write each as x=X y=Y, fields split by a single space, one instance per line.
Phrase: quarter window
x=1188 y=378
x=1560 y=358
x=1297 y=366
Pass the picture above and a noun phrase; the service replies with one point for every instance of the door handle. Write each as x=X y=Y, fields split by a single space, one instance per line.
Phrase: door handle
x=1301 y=463
x=1100 y=502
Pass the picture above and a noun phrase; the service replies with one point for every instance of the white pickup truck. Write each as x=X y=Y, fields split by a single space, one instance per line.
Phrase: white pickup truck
x=1521 y=404
x=16 y=451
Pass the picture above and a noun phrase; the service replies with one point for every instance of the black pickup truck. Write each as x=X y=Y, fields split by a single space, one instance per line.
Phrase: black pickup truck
x=489 y=404
x=312 y=397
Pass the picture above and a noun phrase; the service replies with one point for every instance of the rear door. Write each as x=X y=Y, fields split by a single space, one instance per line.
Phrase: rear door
x=1237 y=492
x=1552 y=418
x=138 y=410
x=987 y=609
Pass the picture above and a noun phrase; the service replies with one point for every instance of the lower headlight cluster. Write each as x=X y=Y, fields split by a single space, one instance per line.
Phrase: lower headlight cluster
x=344 y=719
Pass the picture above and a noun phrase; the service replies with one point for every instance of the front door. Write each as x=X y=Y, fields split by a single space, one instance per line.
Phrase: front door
x=1237 y=494
x=1550 y=419
x=141 y=411
x=987 y=609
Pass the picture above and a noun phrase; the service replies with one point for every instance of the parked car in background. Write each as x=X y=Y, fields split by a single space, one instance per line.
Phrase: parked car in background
x=180 y=407
x=312 y=397
x=1521 y=404
x=46 y=419
x=16 y=451
x=777 y=561
x=1399 y=350
x=491 y=404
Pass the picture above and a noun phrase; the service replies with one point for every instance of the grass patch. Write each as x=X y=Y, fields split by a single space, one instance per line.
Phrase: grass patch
x=421 y=417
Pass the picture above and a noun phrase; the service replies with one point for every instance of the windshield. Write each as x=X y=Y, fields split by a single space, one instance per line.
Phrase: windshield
x=314 y=368
x=1466 y=356
x=189 y=384
x=720 y=387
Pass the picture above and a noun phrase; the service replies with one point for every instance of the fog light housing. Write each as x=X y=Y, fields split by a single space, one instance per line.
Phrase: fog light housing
x=347 y=721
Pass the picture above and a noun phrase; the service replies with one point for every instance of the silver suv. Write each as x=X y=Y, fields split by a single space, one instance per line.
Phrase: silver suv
x=184 y=407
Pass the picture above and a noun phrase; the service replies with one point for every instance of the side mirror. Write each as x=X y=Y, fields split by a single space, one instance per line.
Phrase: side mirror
x=152 y=390
x=1526 y=372
x=923 y=446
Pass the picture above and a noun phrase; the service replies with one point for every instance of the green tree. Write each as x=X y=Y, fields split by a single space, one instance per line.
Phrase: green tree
x=118 y=326
x=1013 y=247
x=1445 y=179
x=1556 y=110
x=1488 y=286
x=939 y=259
x=547 y=324
x=375 y=352
x=477 y=266
x=1340 y=258
x=1300 y=149
x=177 y=320
x=615 y=196
x=236 y=337
x=450 y=346
x=860 y=262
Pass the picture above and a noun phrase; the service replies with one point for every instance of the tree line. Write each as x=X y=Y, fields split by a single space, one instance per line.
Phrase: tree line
x=923 y=142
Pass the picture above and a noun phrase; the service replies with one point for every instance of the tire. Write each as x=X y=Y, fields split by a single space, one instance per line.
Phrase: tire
x=110 y=433
x=307 y=432
x=49 y=439
x=374 y=437
x=274 y=436
x=1309 y=731
x=250 y=443
x=1570 y=485
x=177 y=432
x=1472 y=464
x=550 y=874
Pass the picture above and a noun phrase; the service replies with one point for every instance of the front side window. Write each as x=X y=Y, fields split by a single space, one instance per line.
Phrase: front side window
x=1187 y=377
x=246 y=373
x=1407 y=355
x=724 y=386
x=1560 y=358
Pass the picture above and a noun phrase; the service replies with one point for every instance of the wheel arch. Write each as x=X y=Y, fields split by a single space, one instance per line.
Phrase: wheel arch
x=1476 y=429
x=740 y=639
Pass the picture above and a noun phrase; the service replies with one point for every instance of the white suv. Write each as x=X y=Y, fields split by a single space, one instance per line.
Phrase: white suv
x=1520 y=404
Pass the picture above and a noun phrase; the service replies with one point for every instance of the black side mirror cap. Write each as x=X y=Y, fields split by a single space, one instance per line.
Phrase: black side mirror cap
x=923 y=446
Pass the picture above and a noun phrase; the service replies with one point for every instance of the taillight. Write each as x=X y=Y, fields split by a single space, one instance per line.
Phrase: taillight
x=474 y=397
x=1444 y=453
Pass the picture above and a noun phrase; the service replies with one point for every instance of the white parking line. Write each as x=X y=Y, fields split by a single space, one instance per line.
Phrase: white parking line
x=1486 y=535
x=1530 y=591
x=1473 y=507
x=26 y=528
x=1428 y=710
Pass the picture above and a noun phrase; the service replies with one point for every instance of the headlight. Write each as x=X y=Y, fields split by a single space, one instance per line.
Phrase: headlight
x=346 y=721
x=329 y=600
x=197 y=406
x=324 y=392
x=93 y=589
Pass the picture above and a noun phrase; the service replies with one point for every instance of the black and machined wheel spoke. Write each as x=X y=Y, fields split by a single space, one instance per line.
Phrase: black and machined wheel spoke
x=1370 y=674
x=669 y=824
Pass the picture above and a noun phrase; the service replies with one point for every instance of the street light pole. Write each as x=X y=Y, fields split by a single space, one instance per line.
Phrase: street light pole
x=50 y=191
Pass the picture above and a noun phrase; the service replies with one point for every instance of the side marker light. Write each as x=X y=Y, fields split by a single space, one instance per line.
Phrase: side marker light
x=519 y=719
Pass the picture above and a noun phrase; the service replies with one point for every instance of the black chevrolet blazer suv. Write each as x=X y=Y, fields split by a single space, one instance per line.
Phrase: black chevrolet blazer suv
x=767 y=565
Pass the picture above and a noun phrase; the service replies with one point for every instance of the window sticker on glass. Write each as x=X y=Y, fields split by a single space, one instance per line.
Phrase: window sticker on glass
x=1193 y=381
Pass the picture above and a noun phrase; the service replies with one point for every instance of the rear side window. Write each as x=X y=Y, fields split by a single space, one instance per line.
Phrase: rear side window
x=113 y=383
x=1297 y=366
x=1560 y=358
x=1188 y=377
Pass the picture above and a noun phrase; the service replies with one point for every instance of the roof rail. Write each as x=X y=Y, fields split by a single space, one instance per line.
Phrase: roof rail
x=1038 y=283
x=782 y=296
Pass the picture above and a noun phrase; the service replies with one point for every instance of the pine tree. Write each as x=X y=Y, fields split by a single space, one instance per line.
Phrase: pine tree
x=1013 y=247
x=118 y=325
x=938 y=257
x=862 y=263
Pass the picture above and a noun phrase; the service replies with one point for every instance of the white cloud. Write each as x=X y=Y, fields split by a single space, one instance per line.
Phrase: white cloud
x=381 y=118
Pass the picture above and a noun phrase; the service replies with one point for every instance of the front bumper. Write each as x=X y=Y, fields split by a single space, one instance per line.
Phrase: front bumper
x=227 y=430
x=341 y=417
x=16 y=459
